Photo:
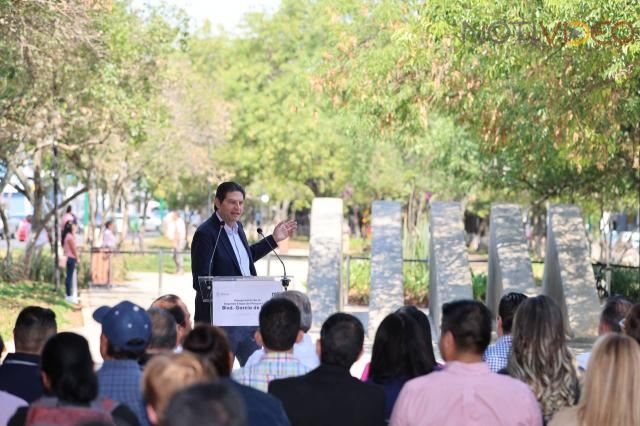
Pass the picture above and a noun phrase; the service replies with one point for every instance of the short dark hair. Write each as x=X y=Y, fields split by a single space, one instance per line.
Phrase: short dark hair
x=69 y=209
x=170 y=303
x=507 y=308
x=399 y=350
x=119 y=353
x=225 y=187
x=163 y=329
x=341 y=339
x=34 y=326
x=206 y=404
x=614 y=311
x=469 y=321
x=66 y=360
x=211 y=344
x=279 y=324
x=632 y=323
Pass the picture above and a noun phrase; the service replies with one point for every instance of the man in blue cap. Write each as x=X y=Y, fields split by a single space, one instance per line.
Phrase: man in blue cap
x=126 y=330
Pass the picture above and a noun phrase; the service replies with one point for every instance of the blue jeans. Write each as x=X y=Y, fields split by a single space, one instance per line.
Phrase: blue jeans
x=71 y=266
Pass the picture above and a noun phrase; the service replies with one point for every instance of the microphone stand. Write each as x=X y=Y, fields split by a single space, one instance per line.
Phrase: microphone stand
x=285 y=280
x=215 y=246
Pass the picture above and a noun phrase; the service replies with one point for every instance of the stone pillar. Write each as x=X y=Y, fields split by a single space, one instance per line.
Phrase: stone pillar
x=325 y=258
x=449 y=274
x=509 y=263
x=386 y=293
x=568 y=275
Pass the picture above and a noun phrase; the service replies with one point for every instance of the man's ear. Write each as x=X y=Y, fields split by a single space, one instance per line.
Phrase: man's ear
x=46 y=383
x=103 y=346
x=216 y=202
x=232 y=357
x=151 y=413
x=258 y=337
x=318 y=348
x=300 y=336
x=447 y=346
x=499 y=329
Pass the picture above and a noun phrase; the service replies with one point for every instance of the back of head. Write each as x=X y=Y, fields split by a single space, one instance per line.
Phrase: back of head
x=279 y=324
x=34 y=326
x=210 y=343
x=469 y=322
x=163 y=330
x=614 y=311
x=423 y=331
x=540 y=356
x=206 y=404
x=171 y=303
x=613 y=370
x=399 y=350
x=67 y=363
x=507 y=308
x=632 y=323
x=164 y=375
x=341 y=339
x=303 y=303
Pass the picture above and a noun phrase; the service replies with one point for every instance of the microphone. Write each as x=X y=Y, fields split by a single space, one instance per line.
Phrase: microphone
x=285 y=279
x=215 y=246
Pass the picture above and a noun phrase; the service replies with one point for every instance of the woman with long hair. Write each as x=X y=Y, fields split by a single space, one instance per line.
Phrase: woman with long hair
x=70 y=249
x=71 y=387
x=540 y=356
x=611 y=390
x=400 y=353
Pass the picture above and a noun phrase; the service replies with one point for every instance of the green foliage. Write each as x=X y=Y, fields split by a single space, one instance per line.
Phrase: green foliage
x=626 y=281
x=479 y=284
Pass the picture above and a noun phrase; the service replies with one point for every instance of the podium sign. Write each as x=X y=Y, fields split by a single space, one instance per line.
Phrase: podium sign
x=237 y=300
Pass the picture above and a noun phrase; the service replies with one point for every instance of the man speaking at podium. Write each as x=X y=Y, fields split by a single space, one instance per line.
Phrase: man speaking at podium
x=232 y=257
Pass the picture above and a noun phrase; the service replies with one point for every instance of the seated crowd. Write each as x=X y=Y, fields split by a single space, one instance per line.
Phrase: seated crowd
x=159 y=370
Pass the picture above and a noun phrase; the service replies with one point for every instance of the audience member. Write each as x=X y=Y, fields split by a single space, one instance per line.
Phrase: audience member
x=178 y=309
x=497 y=355
x=304 y=350
x=72 y=389
x=611 y=388
x=108 y=238
x=163 y=335
x=631 y=324
x=70 y=248
x=212 y=345
x=8 y=403
x=20 y=372
x=206 y=404
x=398 y=355
x=540 y=356
x=126 y=330
x=614 y=311
x=329 y=395
x=466 y=391
x=279 y=330
x=165 y=374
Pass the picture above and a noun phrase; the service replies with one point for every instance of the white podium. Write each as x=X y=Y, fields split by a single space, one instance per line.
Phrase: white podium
x=236 y=301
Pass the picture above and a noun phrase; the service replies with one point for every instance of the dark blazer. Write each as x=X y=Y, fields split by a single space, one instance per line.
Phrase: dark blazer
x=329 y=395
x=20 y=376
x=224 y=261
x=262 y=409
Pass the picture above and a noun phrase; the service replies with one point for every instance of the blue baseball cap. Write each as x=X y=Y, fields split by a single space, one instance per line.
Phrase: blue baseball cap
x=127 y=326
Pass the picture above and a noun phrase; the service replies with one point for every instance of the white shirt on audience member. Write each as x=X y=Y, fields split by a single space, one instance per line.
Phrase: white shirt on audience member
x=305 y=352
x=8 y=405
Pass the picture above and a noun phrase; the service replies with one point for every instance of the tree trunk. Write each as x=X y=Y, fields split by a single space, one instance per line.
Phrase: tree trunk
x=7 y=236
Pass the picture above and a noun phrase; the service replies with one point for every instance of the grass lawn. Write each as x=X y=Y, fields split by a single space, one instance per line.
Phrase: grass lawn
x=15 y=296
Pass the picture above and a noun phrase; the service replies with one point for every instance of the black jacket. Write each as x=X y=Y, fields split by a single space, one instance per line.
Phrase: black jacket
x=329 y=395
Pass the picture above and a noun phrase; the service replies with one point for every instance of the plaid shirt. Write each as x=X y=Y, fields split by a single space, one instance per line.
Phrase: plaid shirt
x=497 y=355
x=272 y=365
x=120 y=381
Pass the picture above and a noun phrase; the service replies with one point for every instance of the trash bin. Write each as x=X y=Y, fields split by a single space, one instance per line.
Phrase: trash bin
x=100 y=267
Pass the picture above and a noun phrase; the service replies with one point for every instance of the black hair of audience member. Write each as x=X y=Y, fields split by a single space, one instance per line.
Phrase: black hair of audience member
x=119 y=353
x=34 y=326
x=170 y=303
x=206 y=404
x=469 y=321
x=1 y=346
x=614 y=311
x=163 y=329
x=211 y=344
x=632 y=323
x=399 y=351
x=424 y=329
x=67 y=363
x=279 y=321
x=341 y=339
x=507 y=309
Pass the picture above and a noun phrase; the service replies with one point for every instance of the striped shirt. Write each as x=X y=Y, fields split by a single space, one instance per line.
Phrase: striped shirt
x=272 y=366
